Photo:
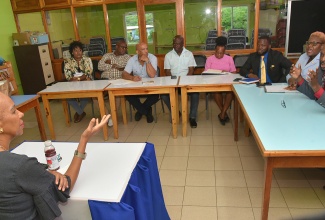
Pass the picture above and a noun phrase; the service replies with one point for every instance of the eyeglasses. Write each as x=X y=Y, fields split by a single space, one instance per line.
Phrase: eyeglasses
x=283 y=104
x=123 y=47
x=314 y=44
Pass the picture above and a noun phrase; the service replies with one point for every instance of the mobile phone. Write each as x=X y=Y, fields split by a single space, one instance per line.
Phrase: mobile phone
x=237 y=79
x=173 y=77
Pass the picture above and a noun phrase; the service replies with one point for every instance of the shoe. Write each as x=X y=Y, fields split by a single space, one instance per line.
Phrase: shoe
x=80 y=117
x=149 y=116
x=193 y=123
x=137 y=116
x=110 y=122
x=222 y=121
x=227 y=119
x=75 y=116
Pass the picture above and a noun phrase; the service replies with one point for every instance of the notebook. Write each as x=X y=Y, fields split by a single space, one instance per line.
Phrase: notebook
x=249 y=80
x=278 y=89
x=213 y=72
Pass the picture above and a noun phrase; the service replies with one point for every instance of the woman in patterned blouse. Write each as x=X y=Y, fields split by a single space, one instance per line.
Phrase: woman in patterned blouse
x=78 y=68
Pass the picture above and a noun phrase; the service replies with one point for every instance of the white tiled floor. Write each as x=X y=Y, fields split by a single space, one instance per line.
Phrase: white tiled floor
x=207 y=175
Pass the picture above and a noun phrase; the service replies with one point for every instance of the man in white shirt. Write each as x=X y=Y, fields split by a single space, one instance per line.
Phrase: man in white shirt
x=181 y=62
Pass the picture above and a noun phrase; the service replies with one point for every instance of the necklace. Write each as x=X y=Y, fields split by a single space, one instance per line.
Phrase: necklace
x=3 y=148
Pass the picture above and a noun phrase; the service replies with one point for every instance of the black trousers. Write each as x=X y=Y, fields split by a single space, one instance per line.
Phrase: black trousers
x=142 y=108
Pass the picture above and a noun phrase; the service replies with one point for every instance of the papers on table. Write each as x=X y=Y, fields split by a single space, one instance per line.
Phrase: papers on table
x=118 y=82
x=278 y=88
x=249 y=80
x=213 y=72
x=78 y=74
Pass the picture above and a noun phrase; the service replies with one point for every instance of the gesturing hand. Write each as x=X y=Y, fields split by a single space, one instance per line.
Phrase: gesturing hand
x=94 y=126
x=295 y=72
x=313 y=80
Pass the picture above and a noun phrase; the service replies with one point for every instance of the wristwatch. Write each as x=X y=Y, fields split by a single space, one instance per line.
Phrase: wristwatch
x=148 y=61
x=78 y=78
x=80 y=155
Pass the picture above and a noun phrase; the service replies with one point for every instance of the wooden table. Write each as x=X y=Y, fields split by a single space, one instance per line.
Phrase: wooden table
x=25 y=102
x=67 y=90
x=148 y=86
x=203 y=83
x=288 y=136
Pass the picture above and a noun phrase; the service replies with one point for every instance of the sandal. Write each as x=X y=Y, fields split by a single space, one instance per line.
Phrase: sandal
x=222 y=121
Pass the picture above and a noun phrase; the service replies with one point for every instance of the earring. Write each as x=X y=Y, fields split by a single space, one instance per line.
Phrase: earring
x=1 y=130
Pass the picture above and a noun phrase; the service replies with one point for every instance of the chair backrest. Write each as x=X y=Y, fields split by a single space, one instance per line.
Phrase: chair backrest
x=240 y=60
x=62 y=71
x=235 y=46
x=236 y=32
x=200 y=60
x=158 y=71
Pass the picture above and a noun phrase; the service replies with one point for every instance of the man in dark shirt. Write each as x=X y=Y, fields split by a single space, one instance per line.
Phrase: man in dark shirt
x=274 y=61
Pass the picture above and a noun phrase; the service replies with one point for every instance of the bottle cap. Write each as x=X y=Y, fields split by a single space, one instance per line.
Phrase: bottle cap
x=48 y=143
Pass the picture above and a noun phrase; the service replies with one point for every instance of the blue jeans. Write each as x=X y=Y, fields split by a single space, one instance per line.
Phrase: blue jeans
x=78 y=106
x=194 y=103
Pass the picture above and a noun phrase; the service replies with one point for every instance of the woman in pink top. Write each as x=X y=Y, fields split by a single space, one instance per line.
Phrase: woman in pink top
x=223 y=62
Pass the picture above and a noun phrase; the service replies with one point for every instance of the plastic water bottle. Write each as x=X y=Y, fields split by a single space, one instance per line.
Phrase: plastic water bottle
x=51 y=157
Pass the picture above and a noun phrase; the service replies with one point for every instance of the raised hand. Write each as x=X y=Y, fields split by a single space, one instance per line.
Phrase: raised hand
x=313 y=80
x=295 y=72
x=94 y=126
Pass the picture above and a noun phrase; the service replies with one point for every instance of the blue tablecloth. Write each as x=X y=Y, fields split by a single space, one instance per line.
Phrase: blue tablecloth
x=143 y=198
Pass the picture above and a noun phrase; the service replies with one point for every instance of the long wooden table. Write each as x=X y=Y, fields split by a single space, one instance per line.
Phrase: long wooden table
x=203 y=83
x=67 y=90
x=288 y=135
x=148 y=86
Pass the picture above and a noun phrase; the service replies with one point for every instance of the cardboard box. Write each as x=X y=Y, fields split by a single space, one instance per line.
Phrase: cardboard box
x=39 y=38
x=21 y=38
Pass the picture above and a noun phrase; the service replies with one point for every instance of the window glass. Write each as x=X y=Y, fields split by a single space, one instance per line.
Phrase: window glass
x=118 y=15
x=238 y=23
x=60 y=26
x=200 y=24
x=31 y=22
x=91 y=23
x=161 y=27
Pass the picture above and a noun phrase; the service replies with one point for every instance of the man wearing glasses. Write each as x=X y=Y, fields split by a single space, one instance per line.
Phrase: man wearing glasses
x=272 y=61
x=310 y=59
x=314 y=85
x=112 y=64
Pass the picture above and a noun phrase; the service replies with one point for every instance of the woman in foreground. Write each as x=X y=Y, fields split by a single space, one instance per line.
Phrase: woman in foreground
x=27 y=189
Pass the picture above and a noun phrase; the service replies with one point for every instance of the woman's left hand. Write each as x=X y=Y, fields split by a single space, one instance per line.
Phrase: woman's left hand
x=60 y=180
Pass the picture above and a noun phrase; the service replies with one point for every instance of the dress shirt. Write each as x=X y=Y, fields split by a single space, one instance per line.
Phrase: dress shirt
x=133 y=65
x=108 y=71
x=179 y=65
x=312 y=65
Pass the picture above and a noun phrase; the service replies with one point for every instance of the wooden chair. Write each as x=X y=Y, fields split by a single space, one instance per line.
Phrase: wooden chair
x=23 y=102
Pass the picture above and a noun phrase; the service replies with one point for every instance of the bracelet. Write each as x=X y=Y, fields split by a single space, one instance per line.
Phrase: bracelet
x=80 y=155
x=148 y=61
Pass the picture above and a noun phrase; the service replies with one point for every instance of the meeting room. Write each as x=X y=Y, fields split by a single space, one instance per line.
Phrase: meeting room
x=162 y=109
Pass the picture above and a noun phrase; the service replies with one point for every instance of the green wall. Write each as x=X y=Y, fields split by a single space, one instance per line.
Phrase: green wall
x=8 y=26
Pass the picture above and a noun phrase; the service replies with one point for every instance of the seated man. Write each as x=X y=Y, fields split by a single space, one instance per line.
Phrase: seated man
x=309 y=60
x=113 y=64
x=314 y=86
x=273 y=63
x=180 y=62
x=142 y=65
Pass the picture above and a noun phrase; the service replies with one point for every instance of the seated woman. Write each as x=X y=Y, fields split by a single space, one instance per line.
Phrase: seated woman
x=78 y=68
x=27 y=189
x=223 y=62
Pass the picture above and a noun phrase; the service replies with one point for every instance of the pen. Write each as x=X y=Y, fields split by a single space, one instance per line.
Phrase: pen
x=283 y=104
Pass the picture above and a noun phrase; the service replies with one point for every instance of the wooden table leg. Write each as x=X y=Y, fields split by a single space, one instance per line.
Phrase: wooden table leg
x=114 y=112
x=268 y=168
x=66 y=112
x=48 y=116
x=236 y=119
x=174 y=112
x=101 y=105
x=123 y=106
x=184 y=110
x=40 y=120
x=246 y=129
